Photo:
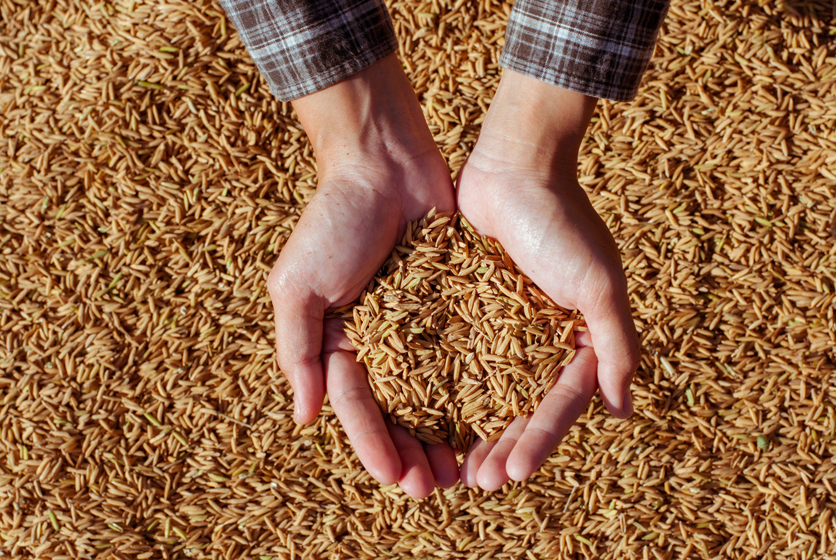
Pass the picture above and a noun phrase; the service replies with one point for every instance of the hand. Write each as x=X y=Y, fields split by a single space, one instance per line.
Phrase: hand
x=520 y=187
x=379 y=168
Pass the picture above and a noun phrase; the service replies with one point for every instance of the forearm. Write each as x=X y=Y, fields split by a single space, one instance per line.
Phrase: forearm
x=535 y=124
x=372 y=111
x=369 y=130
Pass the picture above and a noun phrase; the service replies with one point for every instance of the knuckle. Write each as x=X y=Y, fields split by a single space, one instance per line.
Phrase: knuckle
x=364 y=434
x=276 y=280
x=604 y=289
x=350 y=395
x=296 y=361
x=567 y=393
x=613 y=285
x=543 y=437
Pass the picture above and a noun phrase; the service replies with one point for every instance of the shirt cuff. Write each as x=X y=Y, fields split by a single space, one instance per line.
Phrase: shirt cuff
x=599 y=48
x=303 y=46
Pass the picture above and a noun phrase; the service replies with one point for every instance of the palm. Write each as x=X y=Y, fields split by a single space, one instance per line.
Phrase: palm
x=546 y=223
x=344 y=236
x=346 y=232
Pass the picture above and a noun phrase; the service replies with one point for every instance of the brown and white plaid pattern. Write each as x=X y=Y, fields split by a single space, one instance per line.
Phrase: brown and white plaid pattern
x=303 y=46
x=596 y=47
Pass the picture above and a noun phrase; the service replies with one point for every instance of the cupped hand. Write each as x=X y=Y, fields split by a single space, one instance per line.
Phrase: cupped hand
x=378 y=169
x=520 y=187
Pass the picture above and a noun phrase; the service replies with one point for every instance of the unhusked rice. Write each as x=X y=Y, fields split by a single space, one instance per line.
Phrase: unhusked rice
x=148 y=181
x=457 y=340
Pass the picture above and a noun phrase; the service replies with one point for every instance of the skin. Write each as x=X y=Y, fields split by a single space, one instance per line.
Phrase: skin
x=520 y=187
x=379 y=168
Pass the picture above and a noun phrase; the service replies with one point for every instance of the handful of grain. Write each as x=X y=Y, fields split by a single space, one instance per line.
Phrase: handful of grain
x=457 y=340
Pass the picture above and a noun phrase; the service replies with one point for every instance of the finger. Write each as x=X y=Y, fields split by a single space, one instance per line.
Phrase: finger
x=354 y=405
x=416 y=476
x=492 y=474
x=561 y=406
x=582 y=338
x=616 y=345
x=443 y=463
x=474 y=459
x=299 y=314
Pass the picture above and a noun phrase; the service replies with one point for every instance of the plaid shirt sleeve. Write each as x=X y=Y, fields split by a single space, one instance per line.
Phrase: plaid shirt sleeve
x=599 y=48
x=303 y=46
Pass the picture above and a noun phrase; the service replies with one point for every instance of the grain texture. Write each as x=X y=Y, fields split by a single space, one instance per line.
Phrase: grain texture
x=148 y=182
x=456 y=339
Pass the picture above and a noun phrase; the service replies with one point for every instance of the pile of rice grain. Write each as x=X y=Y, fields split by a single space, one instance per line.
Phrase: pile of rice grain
x=456 y=339
x=148 y=182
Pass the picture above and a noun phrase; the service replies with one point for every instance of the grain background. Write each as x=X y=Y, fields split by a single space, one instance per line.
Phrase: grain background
x=148 y=180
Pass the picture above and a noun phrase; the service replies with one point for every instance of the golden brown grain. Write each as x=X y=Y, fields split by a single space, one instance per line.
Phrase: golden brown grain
x=138 y=225
x=457 y=341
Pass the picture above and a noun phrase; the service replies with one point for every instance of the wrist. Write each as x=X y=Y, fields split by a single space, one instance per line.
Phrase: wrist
x=534 y=123
x=373 y=113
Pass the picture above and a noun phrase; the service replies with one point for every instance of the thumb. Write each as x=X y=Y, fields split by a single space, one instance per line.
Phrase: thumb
x=616 y=346
x=299 y=316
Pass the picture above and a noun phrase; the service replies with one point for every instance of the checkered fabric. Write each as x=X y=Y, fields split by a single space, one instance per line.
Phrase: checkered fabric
x=596 y=47
x=303 y=46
